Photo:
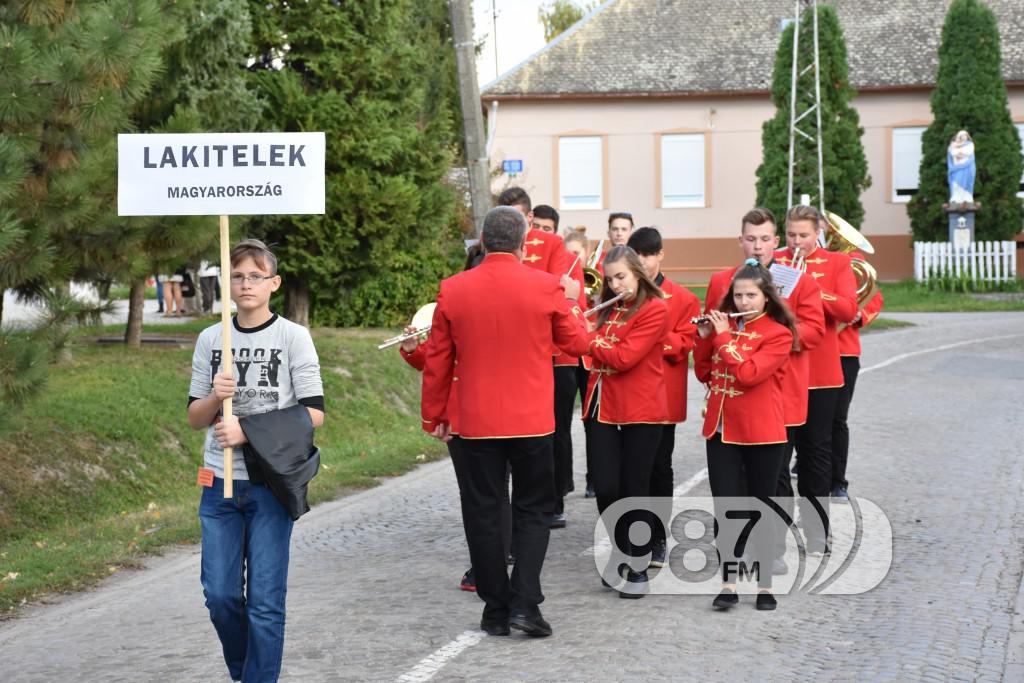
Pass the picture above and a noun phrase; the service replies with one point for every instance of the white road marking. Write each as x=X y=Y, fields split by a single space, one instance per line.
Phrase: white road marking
x=933 y=349
x=430 y=665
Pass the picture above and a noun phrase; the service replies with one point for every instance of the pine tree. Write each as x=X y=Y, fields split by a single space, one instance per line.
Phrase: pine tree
x=844 y=162
x=368 y=75
x=69 y=73
x=970 y=95
x=558 y=15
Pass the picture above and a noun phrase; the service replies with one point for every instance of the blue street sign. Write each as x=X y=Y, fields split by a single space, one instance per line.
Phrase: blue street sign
x=512 y=165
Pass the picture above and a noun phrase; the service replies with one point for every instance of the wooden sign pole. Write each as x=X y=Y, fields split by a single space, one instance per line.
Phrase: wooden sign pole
x=225 y=336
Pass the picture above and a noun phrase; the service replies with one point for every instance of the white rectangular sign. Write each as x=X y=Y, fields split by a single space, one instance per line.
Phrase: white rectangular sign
x=220 y=174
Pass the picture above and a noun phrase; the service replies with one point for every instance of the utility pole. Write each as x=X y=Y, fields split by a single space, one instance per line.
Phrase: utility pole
x=472 y=112
x=801 y=106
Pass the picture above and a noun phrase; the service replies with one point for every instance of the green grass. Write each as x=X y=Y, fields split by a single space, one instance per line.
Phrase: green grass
x=910 y=297
x=100 y=468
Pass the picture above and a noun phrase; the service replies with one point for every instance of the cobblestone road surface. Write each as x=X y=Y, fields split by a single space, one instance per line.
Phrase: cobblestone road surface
x=937 y=441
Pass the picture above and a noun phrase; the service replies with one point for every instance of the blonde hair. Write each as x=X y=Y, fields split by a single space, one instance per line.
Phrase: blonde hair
x=578 y=235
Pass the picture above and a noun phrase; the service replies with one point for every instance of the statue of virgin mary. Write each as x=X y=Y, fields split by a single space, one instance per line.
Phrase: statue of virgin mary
x=961 y=169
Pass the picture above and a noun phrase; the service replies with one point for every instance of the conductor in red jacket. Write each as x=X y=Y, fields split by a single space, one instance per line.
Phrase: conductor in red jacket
x=497 y=360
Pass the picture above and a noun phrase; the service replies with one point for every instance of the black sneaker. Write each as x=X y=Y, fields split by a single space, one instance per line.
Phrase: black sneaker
x=636 y=585
x=840 y=494
x=726 y=599
x=766 y=601
x=658 y=555
x=468 y=582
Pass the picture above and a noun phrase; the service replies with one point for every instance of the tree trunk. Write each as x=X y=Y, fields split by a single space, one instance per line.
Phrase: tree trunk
x=63 y=351
x=296 y=300
x=136 y=304
x=3 y=292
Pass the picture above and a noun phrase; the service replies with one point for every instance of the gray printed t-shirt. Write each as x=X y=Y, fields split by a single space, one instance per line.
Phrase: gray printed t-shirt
x=275 y=366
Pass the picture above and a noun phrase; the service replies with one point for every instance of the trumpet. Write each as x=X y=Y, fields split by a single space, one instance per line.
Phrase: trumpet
x=421 y=321
x=605 y=304
x=701 y=319
x=591 y=276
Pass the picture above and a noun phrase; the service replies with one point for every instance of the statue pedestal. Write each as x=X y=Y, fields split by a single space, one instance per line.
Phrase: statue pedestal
x=961 y=224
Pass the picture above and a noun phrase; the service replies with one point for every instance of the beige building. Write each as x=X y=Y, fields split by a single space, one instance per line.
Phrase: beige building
x=655 y=107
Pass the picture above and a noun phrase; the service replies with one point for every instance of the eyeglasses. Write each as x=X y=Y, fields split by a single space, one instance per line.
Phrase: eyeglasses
x=251 y=279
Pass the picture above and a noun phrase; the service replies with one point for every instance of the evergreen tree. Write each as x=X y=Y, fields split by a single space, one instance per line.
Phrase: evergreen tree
x=69 y=73
x=970 y=95
x=845 y=166
x=372 y=75
x=558 y=15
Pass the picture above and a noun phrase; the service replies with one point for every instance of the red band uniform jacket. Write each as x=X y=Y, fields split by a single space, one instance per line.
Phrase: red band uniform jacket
x=628 y=356
x=832 y=273
x=805 y=303
x=546 y=251
x=502 y=353
x=418 y=359
x=683 y=305
x=849 y=336
x=744 y=369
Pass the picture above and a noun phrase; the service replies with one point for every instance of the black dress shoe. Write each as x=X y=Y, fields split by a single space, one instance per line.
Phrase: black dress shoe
x=534 y=626
x=557 y=521
x=726 y=599
x=766 y=601
x=494 y=627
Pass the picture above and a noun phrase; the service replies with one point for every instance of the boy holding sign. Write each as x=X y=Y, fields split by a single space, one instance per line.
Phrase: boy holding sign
x=245 y=537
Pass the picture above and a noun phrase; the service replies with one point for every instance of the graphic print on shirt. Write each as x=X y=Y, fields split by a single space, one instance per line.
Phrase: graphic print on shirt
x=256 y=372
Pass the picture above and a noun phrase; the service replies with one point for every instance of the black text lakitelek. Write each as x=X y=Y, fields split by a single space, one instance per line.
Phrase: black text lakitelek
x=219 y=156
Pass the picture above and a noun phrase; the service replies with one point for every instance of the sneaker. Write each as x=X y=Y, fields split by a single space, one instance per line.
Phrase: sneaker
x=658 y=555
x=766 y=601
x=840 y=494
x=590 y=493
x=636 y=586
x=468 y=582
x=726 y=599
x=557 y=521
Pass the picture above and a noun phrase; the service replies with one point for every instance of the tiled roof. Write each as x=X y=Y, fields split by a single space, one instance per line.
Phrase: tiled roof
x=720 y=46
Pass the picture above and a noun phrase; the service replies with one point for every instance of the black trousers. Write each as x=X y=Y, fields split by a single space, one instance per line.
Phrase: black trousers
x=208 y=289
x=621 y=460
x=741 y=471
x=662 y=476
x=582 y=379
x=565 y=400
x=813 y=444
x=458 y=464
x=840 y=429
x=484 y=463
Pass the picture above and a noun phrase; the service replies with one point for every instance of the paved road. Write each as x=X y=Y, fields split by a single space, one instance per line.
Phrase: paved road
x=373 y=596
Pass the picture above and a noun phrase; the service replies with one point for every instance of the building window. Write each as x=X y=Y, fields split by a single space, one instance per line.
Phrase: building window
x=580 y=172
x=1020 y=134
x=906 y=162
x=682 y=171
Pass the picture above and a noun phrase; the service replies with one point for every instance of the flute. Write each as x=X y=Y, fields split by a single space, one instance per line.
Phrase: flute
x=701 y=319
x=606 y=304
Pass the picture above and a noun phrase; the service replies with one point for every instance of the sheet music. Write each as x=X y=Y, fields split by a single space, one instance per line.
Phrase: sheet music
x=785 y=278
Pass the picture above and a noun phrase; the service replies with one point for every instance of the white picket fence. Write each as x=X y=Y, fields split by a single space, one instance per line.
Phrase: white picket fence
x=984 y=261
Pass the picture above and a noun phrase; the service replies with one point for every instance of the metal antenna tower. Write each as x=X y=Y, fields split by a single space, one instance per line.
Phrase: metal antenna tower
x=802 y=105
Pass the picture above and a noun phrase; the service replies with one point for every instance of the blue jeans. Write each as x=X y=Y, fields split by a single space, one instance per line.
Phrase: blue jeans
x=246 y=538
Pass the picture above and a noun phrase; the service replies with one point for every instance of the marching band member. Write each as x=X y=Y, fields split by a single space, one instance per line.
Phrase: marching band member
x=813 y=439
x=576 y=243
x=758 y=240
x=625 y=410
x=620 y=227
x=743 y=359
x=546 y=251
x=507 y=345
x=849 y=357
x=683 y=305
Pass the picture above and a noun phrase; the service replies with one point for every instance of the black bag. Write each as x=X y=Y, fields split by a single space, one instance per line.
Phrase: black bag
x=280 y=453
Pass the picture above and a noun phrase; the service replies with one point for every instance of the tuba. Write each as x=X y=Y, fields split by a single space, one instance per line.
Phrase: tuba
x=844 y=238
x=591 y=276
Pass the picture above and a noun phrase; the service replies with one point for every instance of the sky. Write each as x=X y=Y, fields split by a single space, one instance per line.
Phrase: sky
x=519 y=34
